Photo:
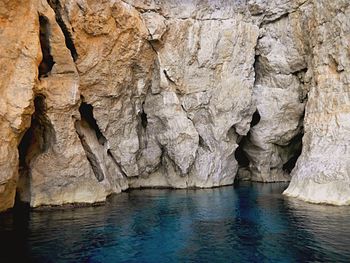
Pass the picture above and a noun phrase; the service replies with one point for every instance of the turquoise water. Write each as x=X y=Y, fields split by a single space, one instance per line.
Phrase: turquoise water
x=243 y=223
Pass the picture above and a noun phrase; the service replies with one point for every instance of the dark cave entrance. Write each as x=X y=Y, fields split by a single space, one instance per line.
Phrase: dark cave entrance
x=47 y=61
x=39 y=137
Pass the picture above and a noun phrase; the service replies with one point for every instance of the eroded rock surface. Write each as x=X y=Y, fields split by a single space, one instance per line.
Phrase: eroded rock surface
x=322 y=173
x=98 y=97
x=279 y=93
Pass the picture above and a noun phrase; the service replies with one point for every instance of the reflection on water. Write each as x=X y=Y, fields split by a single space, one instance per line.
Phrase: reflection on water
x=246 y=223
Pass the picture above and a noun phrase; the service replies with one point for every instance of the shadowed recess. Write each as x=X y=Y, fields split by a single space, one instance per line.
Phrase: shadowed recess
x=256 y=119
x=47 y=61
x=295 y=146
x=86 y=113
x=84 y=128
x=143 y=117
x=38 y=139
x=240 y=155
x=56 y=6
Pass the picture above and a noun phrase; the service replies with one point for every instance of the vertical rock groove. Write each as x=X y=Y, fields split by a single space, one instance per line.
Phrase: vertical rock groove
x=89 y=133
x=86 y=113
x=47 y=59
x=56 y=6
x=143 y=117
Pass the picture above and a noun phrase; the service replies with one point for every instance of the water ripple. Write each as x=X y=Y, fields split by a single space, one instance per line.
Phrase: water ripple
x=246 y=223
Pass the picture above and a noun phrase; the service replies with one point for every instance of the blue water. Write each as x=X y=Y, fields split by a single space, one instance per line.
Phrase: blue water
x=244 y=223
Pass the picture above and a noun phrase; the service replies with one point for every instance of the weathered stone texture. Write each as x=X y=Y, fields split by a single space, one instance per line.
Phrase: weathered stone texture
x=322 y=173
x=101 y=96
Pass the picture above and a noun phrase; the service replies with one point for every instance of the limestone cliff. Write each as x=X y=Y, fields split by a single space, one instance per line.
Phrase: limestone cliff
x=101 y=96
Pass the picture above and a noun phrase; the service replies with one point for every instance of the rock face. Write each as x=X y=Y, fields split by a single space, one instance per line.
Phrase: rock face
x=322 y=174
x=98 y=97
x=280 y=67
x=18 y=66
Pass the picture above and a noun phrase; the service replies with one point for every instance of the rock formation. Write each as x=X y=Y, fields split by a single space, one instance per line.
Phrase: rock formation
x=322 y=174
x=101 y=96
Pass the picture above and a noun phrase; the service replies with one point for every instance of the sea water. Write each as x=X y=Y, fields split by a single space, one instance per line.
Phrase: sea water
x=248 y=222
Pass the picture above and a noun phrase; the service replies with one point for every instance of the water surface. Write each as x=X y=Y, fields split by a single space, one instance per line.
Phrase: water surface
x=244 y=223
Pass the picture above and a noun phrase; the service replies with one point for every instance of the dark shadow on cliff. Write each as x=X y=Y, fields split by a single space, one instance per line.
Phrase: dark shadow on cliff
x=296 y=147
x=47 y=61
x=56 y=6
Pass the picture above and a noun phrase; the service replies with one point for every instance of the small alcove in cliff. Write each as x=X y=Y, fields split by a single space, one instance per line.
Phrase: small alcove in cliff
x=91 y=138
x=240 y=155
x=39 y=137
x=87 y=114
x=295 y=148
x=47 y=61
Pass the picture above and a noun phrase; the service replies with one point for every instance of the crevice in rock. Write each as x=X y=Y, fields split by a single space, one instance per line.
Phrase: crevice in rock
x=243 y=172
x=295 y=147
x=86 y=113
x=185 y=111
x=168 y=77
x=151 y=44
x=40 y=136
x=110 y=154
x=56 y=6
x=300 y=73
x=87 y=129
x=143 y=117
x=203 y=144
x=240 y=155
x=47 y=61
x=256 y=119
x=95 y=165
x=276 y=19
x=37 y=140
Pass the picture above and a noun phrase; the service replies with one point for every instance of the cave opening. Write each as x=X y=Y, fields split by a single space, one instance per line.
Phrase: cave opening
x=47 y=61
x=38 y=138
